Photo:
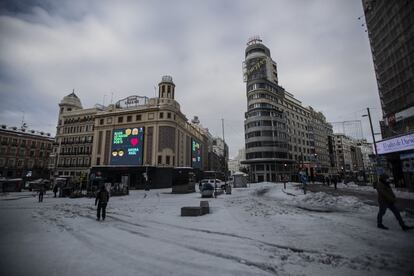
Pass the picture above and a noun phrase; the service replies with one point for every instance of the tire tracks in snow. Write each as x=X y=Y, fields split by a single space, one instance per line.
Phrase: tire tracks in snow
x=284 y=252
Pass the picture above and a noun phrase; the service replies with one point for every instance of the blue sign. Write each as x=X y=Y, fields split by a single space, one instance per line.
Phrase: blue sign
x=196 y=154
x=127 y=144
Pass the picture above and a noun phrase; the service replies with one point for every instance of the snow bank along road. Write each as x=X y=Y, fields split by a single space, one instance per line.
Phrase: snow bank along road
x=261 y=230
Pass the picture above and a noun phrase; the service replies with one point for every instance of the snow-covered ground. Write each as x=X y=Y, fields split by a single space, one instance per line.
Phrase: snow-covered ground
x=403 y=193
x=260 y=230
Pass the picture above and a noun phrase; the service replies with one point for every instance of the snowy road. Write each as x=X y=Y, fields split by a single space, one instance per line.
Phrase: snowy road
x=256 y=231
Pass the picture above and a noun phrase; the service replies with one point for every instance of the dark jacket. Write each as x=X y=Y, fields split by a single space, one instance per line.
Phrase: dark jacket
x=385 y=193
x=102 y=197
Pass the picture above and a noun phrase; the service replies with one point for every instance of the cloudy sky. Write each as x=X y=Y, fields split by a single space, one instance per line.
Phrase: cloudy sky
x=113 y=49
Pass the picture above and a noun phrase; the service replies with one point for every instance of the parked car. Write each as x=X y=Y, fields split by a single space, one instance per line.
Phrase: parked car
x=217 y=183
x=206 y=189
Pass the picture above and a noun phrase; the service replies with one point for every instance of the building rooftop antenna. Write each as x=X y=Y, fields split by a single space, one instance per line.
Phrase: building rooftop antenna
x=253 y=40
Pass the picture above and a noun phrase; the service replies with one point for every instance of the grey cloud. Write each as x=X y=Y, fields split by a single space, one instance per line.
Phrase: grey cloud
x=124 y=47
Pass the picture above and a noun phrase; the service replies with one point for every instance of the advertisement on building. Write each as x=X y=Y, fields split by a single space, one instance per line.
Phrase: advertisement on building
x=196 y=154
x=402 y=143
x=254 y=68
x=127 y=146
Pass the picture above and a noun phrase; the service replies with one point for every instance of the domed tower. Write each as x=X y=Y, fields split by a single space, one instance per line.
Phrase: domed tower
x=68 y=103
x=166 y=88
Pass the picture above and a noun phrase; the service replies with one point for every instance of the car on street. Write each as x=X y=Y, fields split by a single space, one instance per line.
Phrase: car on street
x=206 y=189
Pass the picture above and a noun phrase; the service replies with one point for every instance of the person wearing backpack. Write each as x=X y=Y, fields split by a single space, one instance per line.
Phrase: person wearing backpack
x=101 y=200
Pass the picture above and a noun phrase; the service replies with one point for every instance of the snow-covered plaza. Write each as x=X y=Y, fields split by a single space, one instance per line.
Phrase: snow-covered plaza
x=260 y=230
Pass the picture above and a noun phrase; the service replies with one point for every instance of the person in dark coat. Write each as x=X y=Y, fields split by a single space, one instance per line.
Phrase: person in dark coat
x=334 y=181
x=102 y=199
x=55 y=190
x=41 y=193
x=386 y=199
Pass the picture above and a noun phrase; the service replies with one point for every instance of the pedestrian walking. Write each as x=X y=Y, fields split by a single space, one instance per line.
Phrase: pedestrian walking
x=102 y=199
x=334 y=181
x=303 y=179
x=55 y=190
x=386 y=199
x=41 y=193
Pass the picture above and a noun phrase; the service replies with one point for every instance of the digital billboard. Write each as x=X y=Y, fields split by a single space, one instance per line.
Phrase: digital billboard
x=196 y=154
x=127 y=146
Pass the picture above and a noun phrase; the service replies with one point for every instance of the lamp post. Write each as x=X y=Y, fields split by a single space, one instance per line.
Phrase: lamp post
x=372 y=131
x=373 y=139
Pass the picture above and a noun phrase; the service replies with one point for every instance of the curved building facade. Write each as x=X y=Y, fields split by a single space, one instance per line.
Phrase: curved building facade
x=266 y=135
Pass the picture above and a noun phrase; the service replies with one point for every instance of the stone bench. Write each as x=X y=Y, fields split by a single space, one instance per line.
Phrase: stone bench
x=194 y=211
x=191 y=211
x=205 y=208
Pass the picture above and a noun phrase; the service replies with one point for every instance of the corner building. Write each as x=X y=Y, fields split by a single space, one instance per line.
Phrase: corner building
x=265 y=122
x=72 y=149
x=279 y=130
x=141 y=136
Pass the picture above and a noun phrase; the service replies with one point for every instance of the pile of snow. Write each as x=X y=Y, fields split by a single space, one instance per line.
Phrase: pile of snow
x=399 y=193
x=318 y=202
x=323 y=202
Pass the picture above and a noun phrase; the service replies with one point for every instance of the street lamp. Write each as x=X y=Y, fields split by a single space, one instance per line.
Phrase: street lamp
x=372 y=131
x=373 y=137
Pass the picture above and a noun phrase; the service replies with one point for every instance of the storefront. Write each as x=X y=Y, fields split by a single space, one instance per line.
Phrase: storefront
x=399 y=152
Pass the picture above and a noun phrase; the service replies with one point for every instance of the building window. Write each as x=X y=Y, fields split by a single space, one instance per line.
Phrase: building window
x=161 y=115
x=138 y=117
x=101 y=121
x=159 y=159
x=129 y=118
x=167 y=159
x=98 y=161
x=169 y=115
x=120 y=119
x=11 y=162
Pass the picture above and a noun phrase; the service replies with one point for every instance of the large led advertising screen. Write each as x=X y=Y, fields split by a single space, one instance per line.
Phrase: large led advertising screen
x=127 y=146
x=196 y=154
